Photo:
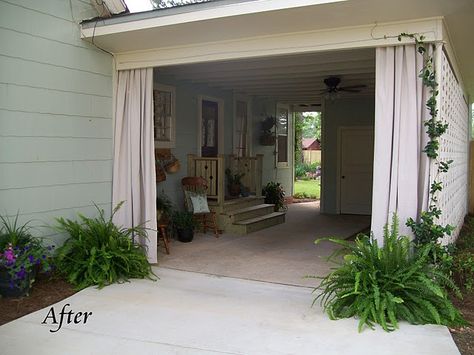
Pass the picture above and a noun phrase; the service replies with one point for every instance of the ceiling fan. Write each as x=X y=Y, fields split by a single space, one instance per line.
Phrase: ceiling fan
x=332 y=86
x=309 y=105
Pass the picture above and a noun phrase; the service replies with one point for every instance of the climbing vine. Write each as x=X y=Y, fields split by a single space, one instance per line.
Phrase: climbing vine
x=427 y=230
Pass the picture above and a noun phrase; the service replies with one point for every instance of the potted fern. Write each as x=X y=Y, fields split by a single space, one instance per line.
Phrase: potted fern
x=164 y=206
x=234 y=184
x=274 y=194
x=184 y=225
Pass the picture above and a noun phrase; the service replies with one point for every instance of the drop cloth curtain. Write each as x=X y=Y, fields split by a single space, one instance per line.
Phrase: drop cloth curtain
x=134 y=161
x=401 y=169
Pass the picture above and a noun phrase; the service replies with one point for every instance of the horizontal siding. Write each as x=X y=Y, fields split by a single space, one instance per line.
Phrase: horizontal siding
x=39 y=24
x=33 y=99
x=82 y=9
x=37 y=49
x=36 y=174
x=23 y=72
x=34 y=124
x=49 y=198
x=55 y=114
x=36 y=149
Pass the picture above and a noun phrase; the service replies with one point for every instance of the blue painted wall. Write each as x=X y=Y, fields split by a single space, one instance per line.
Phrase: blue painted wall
x=337 y=113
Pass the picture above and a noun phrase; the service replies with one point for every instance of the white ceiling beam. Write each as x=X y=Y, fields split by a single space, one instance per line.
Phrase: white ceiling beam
x=309 y=82
x=344 y=73
x=277 y=62
x=289 y=69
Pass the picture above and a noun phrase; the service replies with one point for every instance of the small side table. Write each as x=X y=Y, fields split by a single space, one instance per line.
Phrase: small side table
x=163 y=224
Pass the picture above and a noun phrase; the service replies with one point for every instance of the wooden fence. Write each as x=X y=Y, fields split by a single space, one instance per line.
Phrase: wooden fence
x=311 y=156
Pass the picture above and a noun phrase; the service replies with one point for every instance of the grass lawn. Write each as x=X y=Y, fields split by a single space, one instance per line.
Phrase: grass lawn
x=307 y=189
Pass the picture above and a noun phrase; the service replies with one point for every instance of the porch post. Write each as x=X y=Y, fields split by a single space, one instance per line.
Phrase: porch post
x=191 y=164
x=220 y=180
x=258 y=175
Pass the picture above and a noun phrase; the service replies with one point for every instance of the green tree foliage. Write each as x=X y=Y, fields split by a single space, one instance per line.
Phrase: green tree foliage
x=311 y=125
x=298 y=137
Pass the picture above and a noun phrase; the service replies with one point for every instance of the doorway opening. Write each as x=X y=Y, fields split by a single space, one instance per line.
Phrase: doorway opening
x=307 y=167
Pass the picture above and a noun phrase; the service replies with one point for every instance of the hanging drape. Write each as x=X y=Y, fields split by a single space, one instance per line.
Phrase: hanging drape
x=134 y=161
x=401 y=168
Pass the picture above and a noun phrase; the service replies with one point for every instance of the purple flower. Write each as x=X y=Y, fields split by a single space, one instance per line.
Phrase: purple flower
x=21 y=274
x=38 y=261
x=43 y=256
x=31 y=258
x=9 y=255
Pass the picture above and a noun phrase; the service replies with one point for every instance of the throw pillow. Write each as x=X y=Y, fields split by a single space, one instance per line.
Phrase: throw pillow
x=199 y=203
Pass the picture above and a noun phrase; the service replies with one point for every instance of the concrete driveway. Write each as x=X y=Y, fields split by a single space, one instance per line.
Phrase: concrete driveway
x=192 y=313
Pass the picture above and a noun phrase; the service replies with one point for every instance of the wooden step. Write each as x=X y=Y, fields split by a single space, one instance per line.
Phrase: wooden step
x=251 y=212
x=251 y=225
x=242 y=202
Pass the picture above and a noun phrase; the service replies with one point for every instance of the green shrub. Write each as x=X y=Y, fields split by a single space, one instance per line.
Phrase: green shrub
x=463 y=269
x=302 y=195
x=300 y=171
x=274 y=194
x=98 y=252
x=462 y=257
x=387 y=284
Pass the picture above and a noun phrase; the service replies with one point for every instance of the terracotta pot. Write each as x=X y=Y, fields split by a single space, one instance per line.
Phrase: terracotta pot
x=234 y=190
x=173 y=168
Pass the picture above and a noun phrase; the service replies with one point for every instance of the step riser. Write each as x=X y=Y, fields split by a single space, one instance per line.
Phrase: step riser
x=254 y=227
x=265 y=224
x=242 y=204
x=252 y=214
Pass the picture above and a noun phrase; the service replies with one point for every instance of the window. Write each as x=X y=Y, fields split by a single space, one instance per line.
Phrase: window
x=241 y=129
x=282 y=135
x=164 y=116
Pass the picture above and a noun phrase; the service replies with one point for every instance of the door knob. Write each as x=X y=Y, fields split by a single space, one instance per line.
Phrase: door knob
x=343 y=177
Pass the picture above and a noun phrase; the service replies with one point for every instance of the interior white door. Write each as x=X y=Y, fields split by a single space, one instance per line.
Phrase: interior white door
x=356 y=169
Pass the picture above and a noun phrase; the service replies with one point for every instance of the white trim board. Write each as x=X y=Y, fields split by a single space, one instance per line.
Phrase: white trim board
x=198 y=13
x=286 y=43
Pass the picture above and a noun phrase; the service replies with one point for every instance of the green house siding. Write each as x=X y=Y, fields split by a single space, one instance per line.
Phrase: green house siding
x=55 y=113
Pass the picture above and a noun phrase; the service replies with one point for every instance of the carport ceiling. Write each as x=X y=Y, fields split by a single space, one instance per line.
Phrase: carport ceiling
x=296 y=79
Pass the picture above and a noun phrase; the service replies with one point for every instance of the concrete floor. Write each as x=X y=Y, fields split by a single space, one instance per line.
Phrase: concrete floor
x=284 y=253
x=192 y=313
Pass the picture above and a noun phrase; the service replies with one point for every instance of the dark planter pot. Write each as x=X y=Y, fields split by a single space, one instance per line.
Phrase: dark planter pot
x=185 y=235
x=16 y=291
x=234 y=190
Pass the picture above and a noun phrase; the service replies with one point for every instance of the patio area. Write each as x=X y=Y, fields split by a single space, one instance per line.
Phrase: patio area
x=282 y=254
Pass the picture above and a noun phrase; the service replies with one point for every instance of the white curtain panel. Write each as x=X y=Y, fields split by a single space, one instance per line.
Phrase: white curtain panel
x=401 y=169
x=134 y=178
